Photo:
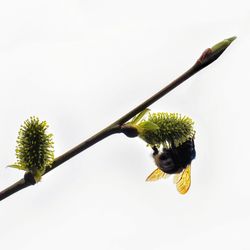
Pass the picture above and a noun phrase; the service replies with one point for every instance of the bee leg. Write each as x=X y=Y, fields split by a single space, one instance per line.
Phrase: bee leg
x=155 y=149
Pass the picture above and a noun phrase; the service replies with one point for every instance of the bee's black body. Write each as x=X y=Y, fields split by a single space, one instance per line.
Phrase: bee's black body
x=175 y=159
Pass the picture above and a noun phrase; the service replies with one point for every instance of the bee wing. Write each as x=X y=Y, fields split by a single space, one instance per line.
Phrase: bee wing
x=183 y=180
x=177 y=177
x=157 y=174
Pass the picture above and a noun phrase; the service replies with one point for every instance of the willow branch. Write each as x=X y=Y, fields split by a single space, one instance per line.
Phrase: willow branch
x=207 y=57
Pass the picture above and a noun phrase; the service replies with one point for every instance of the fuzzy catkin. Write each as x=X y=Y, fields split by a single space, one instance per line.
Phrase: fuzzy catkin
x=173 y=129
x=34 y=149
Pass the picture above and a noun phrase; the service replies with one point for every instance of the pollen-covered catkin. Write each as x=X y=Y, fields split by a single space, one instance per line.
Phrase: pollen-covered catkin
x=34 y=150
x=173 y=129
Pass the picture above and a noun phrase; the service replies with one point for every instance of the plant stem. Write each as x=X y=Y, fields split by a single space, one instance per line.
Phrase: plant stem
x=110 y=130
x=207 y=57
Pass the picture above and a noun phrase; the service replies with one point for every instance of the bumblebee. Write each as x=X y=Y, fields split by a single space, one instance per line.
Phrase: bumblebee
x=175 y=160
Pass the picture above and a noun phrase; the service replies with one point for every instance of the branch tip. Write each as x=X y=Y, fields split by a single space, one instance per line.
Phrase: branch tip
x=213 y=53
x=222 y=45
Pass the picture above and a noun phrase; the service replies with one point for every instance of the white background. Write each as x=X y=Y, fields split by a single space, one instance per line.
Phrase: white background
x=80 y=65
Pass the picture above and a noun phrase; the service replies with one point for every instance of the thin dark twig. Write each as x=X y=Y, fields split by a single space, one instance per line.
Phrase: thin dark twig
x=207 y=57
